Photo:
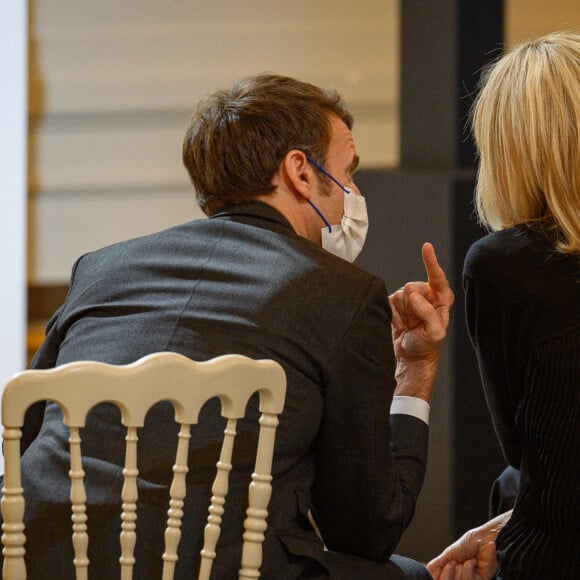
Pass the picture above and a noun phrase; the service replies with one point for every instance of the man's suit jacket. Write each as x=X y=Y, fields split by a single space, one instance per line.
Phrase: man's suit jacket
x=240 y=282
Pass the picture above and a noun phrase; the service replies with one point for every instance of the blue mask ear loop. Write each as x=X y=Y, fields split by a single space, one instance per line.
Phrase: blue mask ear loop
x=320 y=168
x=326 y=223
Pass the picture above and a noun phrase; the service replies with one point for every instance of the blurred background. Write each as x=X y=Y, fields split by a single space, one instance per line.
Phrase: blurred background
x=96 y=97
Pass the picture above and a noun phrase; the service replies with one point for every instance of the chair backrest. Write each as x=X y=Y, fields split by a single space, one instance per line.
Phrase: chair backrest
x=134 y=388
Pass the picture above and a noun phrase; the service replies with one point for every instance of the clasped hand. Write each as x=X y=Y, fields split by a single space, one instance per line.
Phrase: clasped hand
x=471 y=557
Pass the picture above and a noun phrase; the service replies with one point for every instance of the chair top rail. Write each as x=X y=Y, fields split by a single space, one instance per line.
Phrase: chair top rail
x=136 y=387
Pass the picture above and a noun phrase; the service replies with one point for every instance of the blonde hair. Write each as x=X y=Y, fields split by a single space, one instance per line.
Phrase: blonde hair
x=526 y=122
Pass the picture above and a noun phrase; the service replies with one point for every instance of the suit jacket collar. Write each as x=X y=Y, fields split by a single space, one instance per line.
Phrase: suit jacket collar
x=257 y=213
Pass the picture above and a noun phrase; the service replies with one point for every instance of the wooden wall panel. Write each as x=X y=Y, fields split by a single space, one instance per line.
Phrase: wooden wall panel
x=73 y=224
x=109 y=153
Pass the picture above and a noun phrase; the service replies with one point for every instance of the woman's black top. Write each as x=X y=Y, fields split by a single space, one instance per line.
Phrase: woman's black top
x=523 y=315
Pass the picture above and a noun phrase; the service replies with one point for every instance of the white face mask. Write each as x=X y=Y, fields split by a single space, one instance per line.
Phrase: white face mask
x=347 y=239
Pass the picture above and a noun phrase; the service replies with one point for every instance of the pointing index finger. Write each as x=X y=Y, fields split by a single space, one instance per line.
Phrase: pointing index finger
x=435 y=274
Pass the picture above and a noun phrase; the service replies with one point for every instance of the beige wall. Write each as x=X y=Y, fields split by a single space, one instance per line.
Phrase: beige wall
x=525 y=19
x=113 y=85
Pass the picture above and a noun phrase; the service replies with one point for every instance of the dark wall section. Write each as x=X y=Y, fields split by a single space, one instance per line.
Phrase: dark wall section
x=445 y=43
x=405 y=210
x=480 y=33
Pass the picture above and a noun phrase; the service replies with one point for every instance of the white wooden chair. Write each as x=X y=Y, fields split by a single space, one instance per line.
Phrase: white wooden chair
x=135 y=388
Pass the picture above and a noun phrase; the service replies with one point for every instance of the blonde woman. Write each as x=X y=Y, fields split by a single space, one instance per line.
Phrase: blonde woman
x=522 y=285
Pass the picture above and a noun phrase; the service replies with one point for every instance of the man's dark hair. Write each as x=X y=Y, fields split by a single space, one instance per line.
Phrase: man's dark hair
x=237 y=138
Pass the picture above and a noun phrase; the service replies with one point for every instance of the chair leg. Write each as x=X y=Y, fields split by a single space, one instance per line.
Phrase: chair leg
x=13 y=537
x=129 y=496
x=258 y=498
x=78 y=498
x=177 y=495
x=216 y=509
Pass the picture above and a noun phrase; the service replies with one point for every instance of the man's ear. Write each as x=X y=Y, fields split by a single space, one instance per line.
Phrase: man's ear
x=298 y=173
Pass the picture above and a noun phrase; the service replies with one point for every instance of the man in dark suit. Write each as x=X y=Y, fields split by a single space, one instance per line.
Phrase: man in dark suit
x=268 y=275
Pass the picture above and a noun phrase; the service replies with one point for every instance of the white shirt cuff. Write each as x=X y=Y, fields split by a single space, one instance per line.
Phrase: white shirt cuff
x=413 y=406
